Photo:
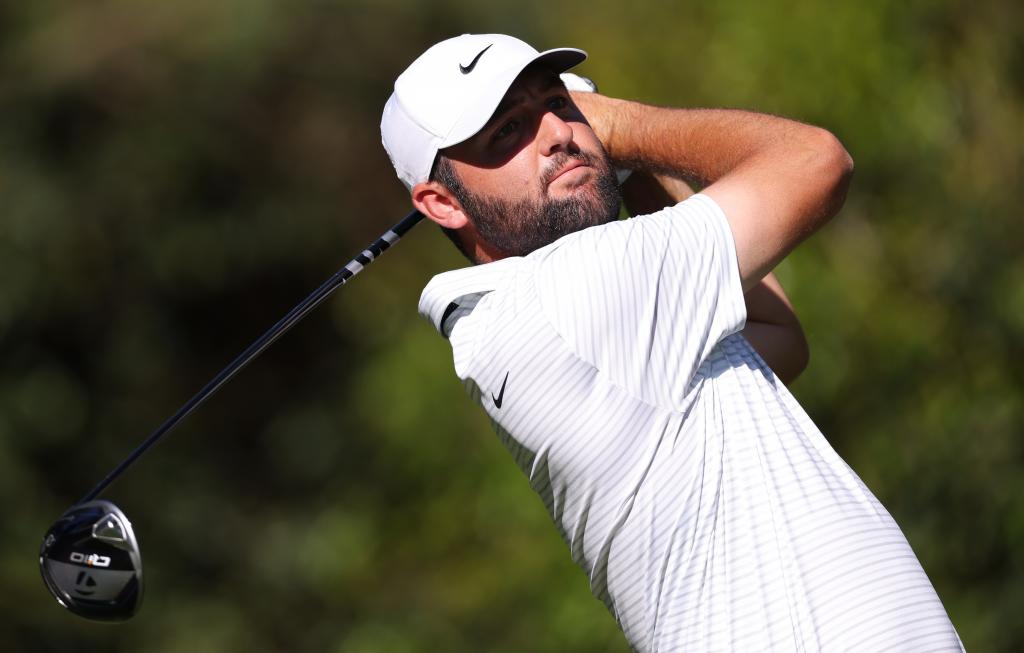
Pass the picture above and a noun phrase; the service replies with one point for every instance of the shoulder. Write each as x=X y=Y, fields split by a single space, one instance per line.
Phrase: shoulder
x=465 y=286
x=637 y=244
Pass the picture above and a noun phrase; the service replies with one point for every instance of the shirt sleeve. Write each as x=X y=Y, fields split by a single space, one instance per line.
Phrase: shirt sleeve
x=646 y=300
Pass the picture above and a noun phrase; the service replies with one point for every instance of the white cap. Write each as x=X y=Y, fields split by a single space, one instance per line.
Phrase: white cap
x=450 y=92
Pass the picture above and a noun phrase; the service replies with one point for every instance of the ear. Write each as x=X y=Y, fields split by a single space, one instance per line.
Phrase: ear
x=435 y=201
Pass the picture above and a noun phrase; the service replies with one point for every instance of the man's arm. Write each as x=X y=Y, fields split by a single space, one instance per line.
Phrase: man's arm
x=772 y=328
x=647 y=192
x=776 y=180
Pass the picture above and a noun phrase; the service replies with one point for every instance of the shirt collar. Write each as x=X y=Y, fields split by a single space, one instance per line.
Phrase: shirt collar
x=449 y=287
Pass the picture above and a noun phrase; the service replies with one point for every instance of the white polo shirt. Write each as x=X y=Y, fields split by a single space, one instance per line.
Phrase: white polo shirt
x=705 y=506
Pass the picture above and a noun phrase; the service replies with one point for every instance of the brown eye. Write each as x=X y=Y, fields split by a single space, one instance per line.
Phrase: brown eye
x=557 y=103
x=507 y=129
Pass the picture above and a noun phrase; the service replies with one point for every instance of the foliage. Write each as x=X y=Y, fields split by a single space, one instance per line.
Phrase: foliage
x=175 y=176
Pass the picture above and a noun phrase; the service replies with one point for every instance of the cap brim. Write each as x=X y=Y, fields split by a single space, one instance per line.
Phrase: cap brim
x=482 y=107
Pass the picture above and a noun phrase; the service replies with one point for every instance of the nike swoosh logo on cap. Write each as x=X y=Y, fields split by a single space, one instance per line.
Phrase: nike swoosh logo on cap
x=465 y=70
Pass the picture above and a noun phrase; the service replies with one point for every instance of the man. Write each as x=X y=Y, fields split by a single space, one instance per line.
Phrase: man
x=706 y=508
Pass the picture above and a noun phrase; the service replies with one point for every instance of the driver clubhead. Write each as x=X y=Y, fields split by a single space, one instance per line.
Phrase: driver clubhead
x=91 y=564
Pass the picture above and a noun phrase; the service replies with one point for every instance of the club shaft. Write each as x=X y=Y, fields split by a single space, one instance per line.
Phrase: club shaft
x=352 y=268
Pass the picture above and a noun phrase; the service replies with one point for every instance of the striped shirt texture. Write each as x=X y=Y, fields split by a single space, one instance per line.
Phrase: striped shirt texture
x=708 y=511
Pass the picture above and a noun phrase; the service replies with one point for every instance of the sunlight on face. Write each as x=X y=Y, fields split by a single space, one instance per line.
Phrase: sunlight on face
x=535 y=172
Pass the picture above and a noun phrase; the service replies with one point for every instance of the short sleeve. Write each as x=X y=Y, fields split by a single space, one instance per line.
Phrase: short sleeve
x=646 y=300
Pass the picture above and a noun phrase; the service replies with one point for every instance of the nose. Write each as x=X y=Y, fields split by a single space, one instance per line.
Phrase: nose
x=554 y=134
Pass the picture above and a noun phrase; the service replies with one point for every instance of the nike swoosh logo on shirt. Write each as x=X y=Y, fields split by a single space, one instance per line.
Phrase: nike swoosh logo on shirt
x=472 y=64
x=501 y=393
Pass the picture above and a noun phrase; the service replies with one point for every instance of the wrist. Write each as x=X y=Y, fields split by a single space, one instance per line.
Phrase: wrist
x=607 y=116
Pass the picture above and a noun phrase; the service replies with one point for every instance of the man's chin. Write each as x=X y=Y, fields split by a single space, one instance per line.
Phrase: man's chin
x=520 y=227
x=581 y=186
x=592 y=195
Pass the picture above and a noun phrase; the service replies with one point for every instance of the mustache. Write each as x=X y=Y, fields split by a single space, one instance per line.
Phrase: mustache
x=561 y=158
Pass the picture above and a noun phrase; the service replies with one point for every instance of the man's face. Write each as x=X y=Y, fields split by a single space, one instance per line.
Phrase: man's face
x=536 y=171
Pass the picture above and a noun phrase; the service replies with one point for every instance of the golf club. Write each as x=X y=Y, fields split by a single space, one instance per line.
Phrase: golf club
x=91 y=564
x=90 y=559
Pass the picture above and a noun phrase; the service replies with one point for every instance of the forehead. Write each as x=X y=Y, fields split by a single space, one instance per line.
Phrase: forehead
x=534 y=79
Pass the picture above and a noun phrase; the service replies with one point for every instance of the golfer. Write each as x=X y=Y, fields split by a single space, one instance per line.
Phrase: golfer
x=704 y=505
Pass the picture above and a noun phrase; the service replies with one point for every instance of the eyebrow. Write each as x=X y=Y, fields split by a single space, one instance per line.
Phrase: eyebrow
x=549 y=81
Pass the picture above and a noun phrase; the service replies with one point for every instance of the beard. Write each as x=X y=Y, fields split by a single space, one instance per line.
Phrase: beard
x=518 y=227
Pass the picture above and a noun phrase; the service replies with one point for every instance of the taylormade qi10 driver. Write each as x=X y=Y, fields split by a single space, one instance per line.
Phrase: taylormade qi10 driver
x=91 y=563
x=90 y=559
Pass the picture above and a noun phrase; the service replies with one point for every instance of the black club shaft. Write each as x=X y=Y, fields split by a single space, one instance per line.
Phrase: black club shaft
x=352 y=268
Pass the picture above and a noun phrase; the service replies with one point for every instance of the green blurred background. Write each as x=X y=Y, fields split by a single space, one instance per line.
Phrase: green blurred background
x=175 y=176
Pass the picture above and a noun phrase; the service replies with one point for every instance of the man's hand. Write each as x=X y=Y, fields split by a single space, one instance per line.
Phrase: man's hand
x=601 y=112
x=646 y=192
